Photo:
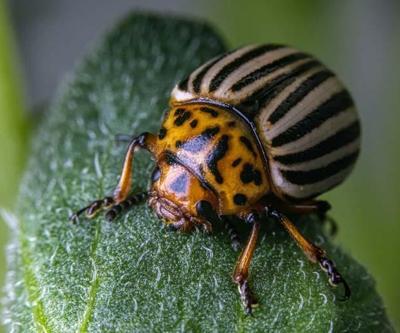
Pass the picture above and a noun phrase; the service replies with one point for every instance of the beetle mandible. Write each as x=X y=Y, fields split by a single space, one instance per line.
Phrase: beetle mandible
x=257 y=132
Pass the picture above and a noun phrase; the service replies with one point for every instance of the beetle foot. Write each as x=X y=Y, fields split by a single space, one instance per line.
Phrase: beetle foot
x=335 y=278
x=246 y=296
x=92 y=209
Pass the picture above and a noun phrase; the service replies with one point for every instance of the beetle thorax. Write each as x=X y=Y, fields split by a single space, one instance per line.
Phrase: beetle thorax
x=216 y=148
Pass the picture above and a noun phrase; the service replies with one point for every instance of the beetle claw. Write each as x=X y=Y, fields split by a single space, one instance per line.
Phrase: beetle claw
x=335 y=278
x=92 y=209
x=248 y=300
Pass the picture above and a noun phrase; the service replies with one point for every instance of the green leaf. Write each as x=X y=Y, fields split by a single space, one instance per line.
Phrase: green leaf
x=134 y=275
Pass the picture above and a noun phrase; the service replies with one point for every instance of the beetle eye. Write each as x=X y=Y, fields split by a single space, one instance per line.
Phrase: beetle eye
x=156 y=174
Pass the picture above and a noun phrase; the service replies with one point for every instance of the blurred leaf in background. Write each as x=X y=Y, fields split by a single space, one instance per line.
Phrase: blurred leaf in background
x=13 y=126
x=360 y=41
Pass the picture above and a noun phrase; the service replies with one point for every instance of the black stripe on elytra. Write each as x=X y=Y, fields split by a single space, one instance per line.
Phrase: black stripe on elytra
x=336 y=104
x=210 y=111
x=264 y=95
x=317 y=175
x=299 y=94
x=199 y=142
x=236 y=162
x=236 y=63
x=216 y=154
x=332 y=143
x=199 y=77
x=247 y=143
x=182 y=118
x=267 y=69
x=183 y=85
x=249 y=174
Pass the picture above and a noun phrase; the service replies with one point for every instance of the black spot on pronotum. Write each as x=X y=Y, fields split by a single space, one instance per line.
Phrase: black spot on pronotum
x=216 y=154
x=240 y=199
x=248 y=144
x=179 y=185
x=178 y=143
x=210 y=132
x=210 y=111
x=162 y=133
x=236 y=162
x=179 y=112
x=249 y=174
x=156 y=174
x=193 y=123
x=182 y=118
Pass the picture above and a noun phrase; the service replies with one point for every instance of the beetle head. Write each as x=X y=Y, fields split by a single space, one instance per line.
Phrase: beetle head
x=175 y=193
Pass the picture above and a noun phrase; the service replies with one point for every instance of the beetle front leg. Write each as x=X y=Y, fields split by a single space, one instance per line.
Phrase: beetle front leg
x=241 y=272
x=320 y=208
x=92 y=209
x=314 y=253
x=132 y=200
x=117 y=202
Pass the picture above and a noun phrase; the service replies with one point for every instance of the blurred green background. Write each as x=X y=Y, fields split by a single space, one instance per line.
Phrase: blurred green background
x=357 y=39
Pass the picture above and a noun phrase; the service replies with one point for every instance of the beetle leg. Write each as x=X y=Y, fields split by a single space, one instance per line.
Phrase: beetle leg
x=93 y=208
x=132 y=200
x=241 y=271
x=233 y=234
x=121 y=192
x=318 y=207
x=321 y=208
x=314 y=253
x=146 y=141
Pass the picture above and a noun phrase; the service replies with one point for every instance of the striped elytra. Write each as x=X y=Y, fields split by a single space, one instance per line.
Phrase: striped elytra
x=303 y=116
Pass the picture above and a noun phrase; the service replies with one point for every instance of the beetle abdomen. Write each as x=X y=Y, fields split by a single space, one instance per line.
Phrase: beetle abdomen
x=304 y=116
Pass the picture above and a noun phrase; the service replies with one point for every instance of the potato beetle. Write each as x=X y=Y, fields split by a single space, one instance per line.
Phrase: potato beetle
x=257 y=132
